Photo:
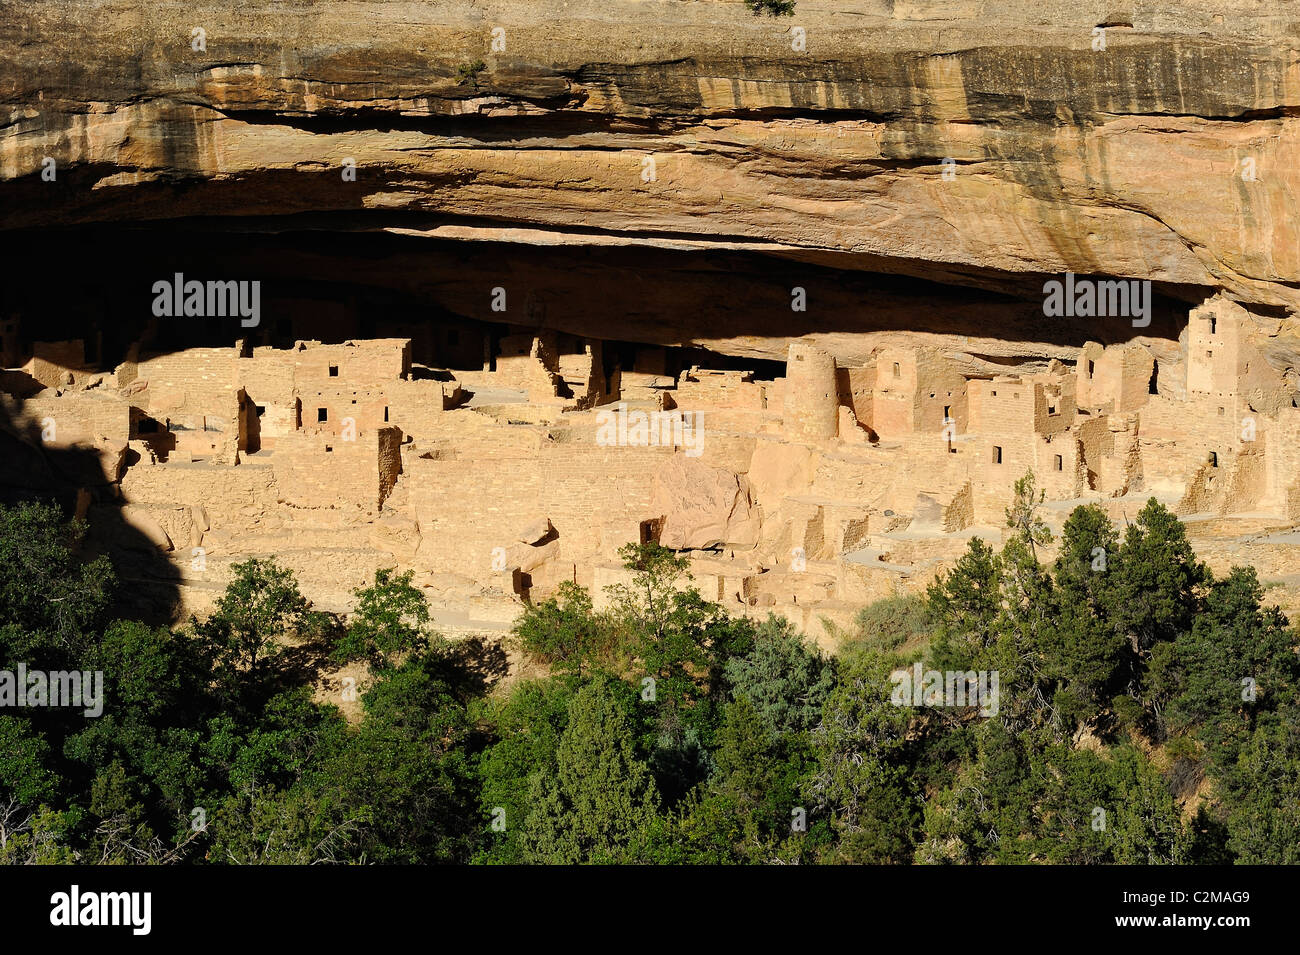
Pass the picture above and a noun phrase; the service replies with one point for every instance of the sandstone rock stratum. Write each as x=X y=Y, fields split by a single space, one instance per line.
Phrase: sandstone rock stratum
x=1125 y=161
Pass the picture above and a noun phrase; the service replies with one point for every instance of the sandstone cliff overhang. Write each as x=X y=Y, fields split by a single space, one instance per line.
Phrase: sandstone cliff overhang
x=1171 y=154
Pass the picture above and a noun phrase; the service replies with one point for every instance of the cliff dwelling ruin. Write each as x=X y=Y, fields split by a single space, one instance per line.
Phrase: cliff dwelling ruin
x=362 y=426
x=825 y=287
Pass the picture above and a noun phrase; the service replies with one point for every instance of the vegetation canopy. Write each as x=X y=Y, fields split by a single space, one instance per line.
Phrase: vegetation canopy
x=1148 y=713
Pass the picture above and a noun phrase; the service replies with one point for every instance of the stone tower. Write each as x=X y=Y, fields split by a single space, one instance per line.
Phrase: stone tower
x=811 y=393
x=1216 y=360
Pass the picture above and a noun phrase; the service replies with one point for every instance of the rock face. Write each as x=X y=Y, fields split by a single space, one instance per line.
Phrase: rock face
x=703 y=507
x=967 y=141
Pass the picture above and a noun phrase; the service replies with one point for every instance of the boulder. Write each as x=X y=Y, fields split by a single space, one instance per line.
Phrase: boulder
x=703 y=507
x=535 y=531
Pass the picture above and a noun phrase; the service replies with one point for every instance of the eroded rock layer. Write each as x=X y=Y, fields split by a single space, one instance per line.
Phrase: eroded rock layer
x=1167 y=155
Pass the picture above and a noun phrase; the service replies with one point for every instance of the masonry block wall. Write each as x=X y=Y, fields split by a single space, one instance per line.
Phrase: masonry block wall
x=416 y=406
x=1004 y=405
x=1114 y=379
x=1054 y=404
x=359 y=363
x=915 y=390
x=893 y=405
x=941 y=392
x=76 y=416
x=1179 y=437
x=224 y=493
x=193 y=382
x=267 y=377
x=580 y=365
x=47 y=373
x=1215 y=363
x=467 y=506
x=856 y=388
x=320 y=470
x=335 y=411
x=528 y=362
x=720 y=389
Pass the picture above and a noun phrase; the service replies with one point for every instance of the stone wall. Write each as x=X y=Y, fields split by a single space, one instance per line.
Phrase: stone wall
x=417 y=406
x=702 y=387
x=917 y=389
x=811 y=398
x=1215 y=359
x=1114 y=379
x=360 y=364
x=322 y=470
x=528 y=362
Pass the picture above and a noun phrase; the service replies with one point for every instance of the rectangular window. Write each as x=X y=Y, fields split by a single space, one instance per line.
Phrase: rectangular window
x=385 y=414
x=322 y=414
x=997 y=454
x=1092 y=366
x=334 y=371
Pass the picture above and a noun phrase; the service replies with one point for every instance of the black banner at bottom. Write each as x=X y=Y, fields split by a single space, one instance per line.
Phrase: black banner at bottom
x=226 y=904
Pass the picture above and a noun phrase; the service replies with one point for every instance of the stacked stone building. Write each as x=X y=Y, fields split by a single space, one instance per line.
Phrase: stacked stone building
x=811 y=491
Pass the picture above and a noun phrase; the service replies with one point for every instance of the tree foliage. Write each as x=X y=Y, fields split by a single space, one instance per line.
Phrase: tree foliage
x=1134 y=685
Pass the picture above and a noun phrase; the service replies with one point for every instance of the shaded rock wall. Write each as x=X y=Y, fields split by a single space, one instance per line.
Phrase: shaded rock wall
x=1125 y=161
